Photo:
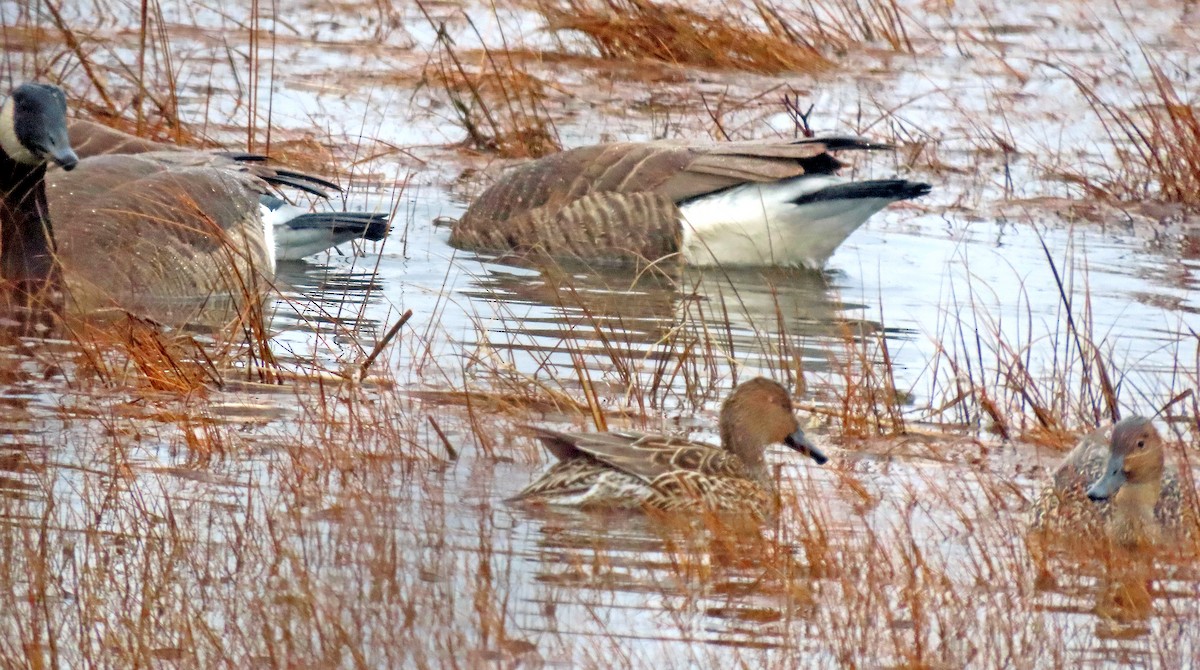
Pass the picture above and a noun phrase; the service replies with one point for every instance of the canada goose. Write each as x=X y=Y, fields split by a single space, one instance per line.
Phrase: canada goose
x=1120 y=485
x=33 y=128
x=635 y=470
x=298 y=233
x=131 y=229
x=731 y=204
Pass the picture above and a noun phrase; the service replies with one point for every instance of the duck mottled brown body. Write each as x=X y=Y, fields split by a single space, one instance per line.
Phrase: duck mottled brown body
x=1119 y=486
x=627 y=470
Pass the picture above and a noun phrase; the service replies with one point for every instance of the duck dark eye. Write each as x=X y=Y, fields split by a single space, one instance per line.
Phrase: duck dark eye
x=1141 y=444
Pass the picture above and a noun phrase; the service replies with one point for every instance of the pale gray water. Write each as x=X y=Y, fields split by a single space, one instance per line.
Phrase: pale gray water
x=295 y=538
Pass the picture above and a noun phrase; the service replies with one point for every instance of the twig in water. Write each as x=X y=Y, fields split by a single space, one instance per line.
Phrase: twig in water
x=445 y=441
x=386 y=338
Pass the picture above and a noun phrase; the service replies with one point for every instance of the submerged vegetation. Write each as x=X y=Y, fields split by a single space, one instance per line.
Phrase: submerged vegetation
x=326 y=485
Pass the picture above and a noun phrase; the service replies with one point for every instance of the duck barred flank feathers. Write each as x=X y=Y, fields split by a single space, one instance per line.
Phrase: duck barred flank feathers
x=628 y=470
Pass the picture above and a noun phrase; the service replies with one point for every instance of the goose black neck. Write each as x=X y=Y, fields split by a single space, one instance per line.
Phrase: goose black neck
x=26 y=239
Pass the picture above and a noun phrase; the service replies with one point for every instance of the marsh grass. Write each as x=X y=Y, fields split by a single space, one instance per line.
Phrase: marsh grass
x=754 y=37
x=1031 y=379
x=1156 y=135
x=853 y=22
x=174 y=499
x=501 y=107
x=659 y=343
x=138 y=94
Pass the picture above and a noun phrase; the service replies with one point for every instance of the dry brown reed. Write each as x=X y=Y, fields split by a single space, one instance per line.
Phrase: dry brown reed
x=1156 y=136
x=161 y=505
x=677 y=344
x=852 y=22
x=867 y=400
x=756 y=38
x=501 y=107
x=140 y=97
x=1014 y=381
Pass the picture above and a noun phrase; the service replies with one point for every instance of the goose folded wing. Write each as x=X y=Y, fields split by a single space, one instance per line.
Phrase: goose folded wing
x=715 y=167
x=90 y=139
x=187 y=197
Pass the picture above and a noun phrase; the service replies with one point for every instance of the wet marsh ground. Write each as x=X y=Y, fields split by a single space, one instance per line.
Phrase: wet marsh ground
x=177 y=499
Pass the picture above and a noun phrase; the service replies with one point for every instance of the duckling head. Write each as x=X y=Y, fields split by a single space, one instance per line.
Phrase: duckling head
x=1135 y=458
x=758 y=413
x=33 y=126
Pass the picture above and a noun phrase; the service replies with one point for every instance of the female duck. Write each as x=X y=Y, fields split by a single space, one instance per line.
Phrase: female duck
x=635 y=470
x=1121 y=485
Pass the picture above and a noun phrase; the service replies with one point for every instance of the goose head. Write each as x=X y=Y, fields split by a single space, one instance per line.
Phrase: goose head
x=33 y=126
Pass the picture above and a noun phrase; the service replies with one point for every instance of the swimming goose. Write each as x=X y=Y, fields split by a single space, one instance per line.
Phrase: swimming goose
x=297 y=232
x=730 y=204
x=1120 y=486
x=629 y=470
x=129 y=230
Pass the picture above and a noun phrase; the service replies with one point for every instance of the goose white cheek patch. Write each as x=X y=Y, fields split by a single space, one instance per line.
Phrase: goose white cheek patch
x=8 y=137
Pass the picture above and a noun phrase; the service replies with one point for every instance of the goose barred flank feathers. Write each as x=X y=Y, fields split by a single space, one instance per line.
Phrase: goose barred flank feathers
x=734 y=203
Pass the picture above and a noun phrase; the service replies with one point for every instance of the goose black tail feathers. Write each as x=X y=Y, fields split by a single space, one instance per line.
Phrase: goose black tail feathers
x=883 y=189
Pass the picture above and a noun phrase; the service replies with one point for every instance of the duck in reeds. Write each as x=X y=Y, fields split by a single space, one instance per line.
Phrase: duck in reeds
x=135 y=222
x=1120 y=486
x=628 y=470
x=730 y=204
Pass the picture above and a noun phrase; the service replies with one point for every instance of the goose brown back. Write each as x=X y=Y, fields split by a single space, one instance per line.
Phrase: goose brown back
x=622 y=202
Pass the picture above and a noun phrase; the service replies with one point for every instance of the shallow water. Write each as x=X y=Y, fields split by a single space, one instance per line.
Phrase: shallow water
x=325 y=526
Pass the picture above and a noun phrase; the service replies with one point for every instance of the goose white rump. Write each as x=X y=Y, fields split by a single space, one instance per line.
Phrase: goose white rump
x=799 y=222
x=756 y=203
